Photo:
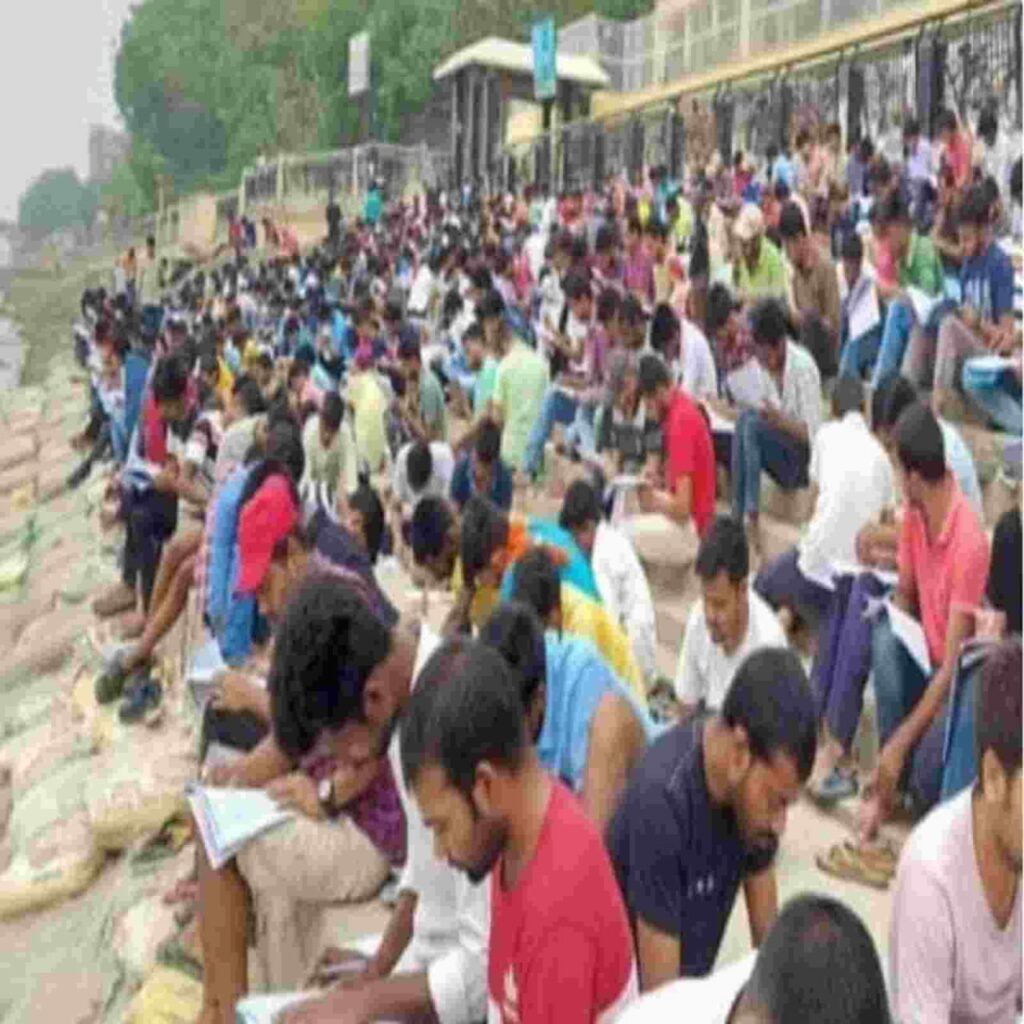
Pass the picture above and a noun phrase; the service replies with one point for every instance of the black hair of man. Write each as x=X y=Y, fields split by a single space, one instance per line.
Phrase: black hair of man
x=265 y=361
x=577 y=284
x=945 y=122
x=492 y=305
x=632 y=311
x=607 y=238
x=332 y=411
x=327 y=645
x=768 y=322
x=609 y=302
x=771 y=699
x=652 y=374
x=920 y=446
x=721 y=304
x=480 y=278
x=170 y=379
x=818 y=962
x=487 y=446
x=484 y=530
x=997 y=706
x=889 y=400
x=516 y=633
x=658 y=229
x=724 y=549
x=419 y=464
x=894 y=210
x=664 y=327
x=852 y=248
x=283 y=455
x=365 y=500
x=791 y=222
x=911 y=128
x=580 y=507
x=976 y=207
x=772 y=151
x=431 y=523
x=536 y=582
x=847 y=396
x=474 y=332
x=208 y=363
x=465 y=710
x=988 y=125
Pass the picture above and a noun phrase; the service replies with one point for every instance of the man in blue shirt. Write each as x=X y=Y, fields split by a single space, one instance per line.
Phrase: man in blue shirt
x=983 y=325
x=482 y=470
x=704 y=811
x=589 y=729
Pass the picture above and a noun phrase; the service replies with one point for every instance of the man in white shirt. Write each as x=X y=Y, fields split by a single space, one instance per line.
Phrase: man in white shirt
x=955 y=934
x=726 y=625
x=432 y=959
x=853 y=480
x=422 y=470
x=682 y=345
x=816 y=963
x=620 y=576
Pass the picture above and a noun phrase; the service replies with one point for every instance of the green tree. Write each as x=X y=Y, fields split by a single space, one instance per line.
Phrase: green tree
x=56 y=200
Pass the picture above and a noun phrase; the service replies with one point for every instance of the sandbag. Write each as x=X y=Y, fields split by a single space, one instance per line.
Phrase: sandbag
x=17 y=478
x=34 y=753
x=166 y=997
x=16 y=449
x=43 y=647
x=52 y=854
x=132 y=793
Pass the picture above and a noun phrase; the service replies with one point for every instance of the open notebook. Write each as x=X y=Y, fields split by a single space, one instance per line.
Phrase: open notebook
x=229 y=818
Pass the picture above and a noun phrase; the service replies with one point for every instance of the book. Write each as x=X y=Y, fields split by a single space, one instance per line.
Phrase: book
x=864 y=311
x=227 y=819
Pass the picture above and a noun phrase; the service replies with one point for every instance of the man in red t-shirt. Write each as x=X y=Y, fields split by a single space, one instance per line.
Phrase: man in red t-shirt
x=688 y=492
x=560 y=947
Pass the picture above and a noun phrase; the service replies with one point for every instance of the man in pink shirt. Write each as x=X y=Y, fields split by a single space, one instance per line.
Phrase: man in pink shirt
x=560 y=947
x=943 y=560
x=955 y=937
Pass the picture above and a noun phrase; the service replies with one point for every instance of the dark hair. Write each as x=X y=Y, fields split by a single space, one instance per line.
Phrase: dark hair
x=484 y=530
x=609 y=302
x=771 y=698
x=419 y=464
x=652 y=374
x=768 y=322
x=577 y=284
x=409 y=348
x=283 y=456
x=516 y=633
x=365 y=500
x=580 y=506
x=791 y=222
x=480 y=277
x=487 y=446
x=852 y=247
x=170 y=379
x=332 y=409
x=490 y=306
x=664 y=327
x=889 y=400
x=976 y=207
x=997 y=706
x=945 y=122
x=911 y=127
x=724 y=549
x=847 y=396
x=631 y=311
x=988 y=125
x=606 y=238
x=431 y=521
x=920 y=446
x=894 y=210
x=208 y=363
x=474 y=332
x=720 y=306
x=1016 y=180
x=327 y=644
x=536 y=582
x=818 y=962
x=465 y=709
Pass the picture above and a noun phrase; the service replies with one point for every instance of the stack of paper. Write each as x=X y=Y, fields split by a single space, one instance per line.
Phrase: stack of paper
x=229 y=818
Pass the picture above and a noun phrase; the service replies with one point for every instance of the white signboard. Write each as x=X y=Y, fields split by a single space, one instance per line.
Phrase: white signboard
x=358 y=63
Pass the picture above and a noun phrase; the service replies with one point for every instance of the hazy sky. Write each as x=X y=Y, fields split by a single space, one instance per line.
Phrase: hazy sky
x=56 y=78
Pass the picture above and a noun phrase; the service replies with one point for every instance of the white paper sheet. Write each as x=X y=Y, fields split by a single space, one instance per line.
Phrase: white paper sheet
x=746 y=385
x=864 y=310
x=908 y=631
x=923 y=304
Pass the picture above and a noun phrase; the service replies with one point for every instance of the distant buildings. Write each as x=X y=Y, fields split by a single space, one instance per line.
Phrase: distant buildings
x=107 y=148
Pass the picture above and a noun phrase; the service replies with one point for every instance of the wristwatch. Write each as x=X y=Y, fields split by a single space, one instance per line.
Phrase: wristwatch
x=325 y=794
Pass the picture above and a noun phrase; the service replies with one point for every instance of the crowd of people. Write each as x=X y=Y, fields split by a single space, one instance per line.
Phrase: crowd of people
x=568 y=844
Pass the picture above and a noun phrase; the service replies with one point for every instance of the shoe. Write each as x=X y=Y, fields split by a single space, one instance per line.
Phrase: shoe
x=110 y=682
x=142 y=702
x=835 y=787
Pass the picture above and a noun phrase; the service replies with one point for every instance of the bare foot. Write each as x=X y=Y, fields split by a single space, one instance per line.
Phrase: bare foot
x=869 y=818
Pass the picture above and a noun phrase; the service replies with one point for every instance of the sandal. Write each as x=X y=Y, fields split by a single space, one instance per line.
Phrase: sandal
x=833 y=788
x=880 y=857
x=848 y=864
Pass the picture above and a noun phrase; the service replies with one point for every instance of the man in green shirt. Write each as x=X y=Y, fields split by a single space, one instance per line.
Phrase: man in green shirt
x=759 y=273
x=330 y=449
x=920 y=277
x=423 y=410
x=520 y=383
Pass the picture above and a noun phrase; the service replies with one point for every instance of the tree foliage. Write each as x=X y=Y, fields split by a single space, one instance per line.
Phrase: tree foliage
x=207 y=85
x=57 y=200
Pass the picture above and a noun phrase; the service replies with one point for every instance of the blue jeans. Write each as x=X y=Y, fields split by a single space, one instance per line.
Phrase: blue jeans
x=756 y=447
x=899 y=685
x=899 y=321
x=858 y=355
x=1000 y=398
x=558 y=407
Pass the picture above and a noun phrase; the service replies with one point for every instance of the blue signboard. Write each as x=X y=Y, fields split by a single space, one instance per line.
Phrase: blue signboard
x=544 y=73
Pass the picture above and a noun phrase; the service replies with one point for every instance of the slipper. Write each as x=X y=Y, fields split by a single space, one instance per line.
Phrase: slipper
x=842 y=863
x=833 y=788
x=879 y=857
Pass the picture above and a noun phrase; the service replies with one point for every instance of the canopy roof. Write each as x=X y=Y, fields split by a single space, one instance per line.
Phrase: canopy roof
x=507 y=55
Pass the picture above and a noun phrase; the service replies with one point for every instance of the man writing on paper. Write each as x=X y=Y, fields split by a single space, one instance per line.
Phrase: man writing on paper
x=860 y=332
x=943 y=565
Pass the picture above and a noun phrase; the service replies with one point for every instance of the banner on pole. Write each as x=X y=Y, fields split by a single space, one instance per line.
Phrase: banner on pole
x=544 y=49
x=358 y=63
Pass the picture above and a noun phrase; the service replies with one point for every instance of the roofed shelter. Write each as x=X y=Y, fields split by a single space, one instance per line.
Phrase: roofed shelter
x=493 y=78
